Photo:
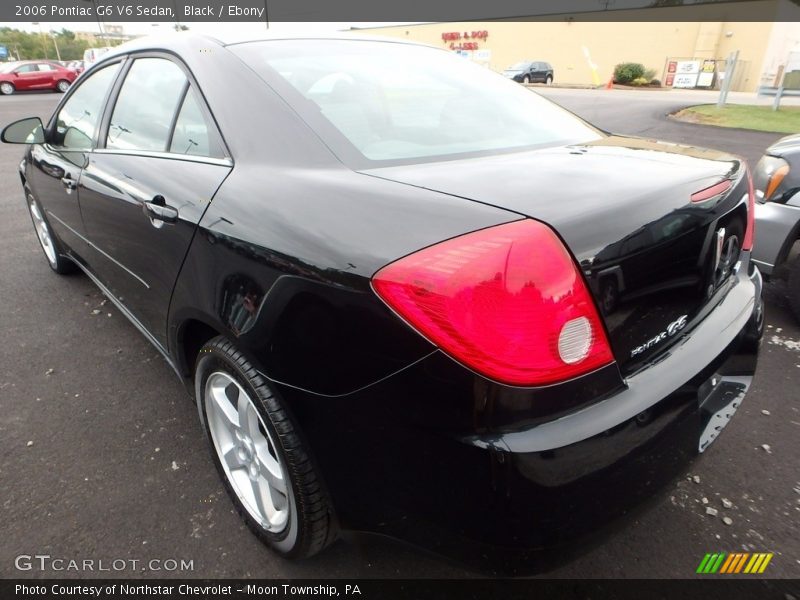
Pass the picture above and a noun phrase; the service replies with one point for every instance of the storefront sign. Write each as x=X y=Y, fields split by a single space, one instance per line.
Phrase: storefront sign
x=466 y=40
x=706 y=77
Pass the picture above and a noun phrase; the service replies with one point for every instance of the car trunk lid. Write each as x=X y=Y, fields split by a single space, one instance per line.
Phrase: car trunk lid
x=654 y=260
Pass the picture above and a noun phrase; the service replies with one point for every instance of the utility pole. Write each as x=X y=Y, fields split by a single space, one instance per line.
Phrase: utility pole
x=55 y=42
x=43 y=38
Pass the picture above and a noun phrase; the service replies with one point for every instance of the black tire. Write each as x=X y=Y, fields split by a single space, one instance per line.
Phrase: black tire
x=311 y=525
x=549 y=80
x=526 y=79
x=7 y=88
x=794 y=288
x=58 y=262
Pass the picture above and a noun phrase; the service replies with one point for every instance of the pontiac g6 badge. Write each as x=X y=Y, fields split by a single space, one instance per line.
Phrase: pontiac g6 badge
x=670 y=331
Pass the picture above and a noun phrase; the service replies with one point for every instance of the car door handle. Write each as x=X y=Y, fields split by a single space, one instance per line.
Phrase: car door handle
x=69 y=183
x=158 y=210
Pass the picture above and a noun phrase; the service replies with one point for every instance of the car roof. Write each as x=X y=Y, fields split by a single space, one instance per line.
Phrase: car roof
x=177 y=42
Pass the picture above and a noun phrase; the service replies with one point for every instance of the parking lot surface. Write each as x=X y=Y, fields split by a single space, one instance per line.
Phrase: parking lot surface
x=102 y=455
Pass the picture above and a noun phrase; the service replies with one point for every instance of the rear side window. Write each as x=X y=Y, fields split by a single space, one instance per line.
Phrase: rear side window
x=146 y=105
x=79 y=118
x=193 y=134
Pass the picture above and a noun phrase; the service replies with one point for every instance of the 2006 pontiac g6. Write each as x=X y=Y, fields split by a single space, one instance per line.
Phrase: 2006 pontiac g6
x=384 y=326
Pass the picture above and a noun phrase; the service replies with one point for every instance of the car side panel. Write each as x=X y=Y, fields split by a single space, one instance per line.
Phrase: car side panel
x=136 y=257
x=282 y=263
x=777 y=228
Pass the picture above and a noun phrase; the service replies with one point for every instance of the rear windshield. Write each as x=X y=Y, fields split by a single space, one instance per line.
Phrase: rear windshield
x=387 y=102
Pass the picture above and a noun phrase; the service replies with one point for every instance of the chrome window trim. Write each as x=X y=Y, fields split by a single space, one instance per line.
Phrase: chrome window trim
x=222 y=162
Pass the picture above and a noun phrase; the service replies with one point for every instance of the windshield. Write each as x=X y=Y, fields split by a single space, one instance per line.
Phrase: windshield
x=518 y=67
x=401 y=102
x=8 y=67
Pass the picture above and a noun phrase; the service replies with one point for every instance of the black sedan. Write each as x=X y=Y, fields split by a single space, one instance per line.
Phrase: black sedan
x=385 y=328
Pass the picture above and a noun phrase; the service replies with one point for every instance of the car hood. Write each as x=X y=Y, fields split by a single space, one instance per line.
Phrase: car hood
x=787 y=145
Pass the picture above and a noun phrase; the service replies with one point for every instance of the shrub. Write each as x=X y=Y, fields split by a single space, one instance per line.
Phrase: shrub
x=640 y=81
x=626 y=72
x=655 y=82
x=650 y=74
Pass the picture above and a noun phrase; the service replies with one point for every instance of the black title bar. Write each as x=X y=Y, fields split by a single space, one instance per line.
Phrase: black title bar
x=395 y=10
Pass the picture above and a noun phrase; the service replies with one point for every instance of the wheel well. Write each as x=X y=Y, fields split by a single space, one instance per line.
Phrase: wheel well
x=193 y=336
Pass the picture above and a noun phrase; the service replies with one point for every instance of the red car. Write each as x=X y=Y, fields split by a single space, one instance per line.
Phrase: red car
x=35 y=75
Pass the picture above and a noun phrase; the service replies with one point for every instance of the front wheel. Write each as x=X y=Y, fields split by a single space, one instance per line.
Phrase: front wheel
x=264 y=464
x=62 y=86
x=7 y=88
x=47 y=240
x=526 y=80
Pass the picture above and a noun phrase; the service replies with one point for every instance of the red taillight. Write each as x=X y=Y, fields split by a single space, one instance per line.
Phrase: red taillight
x=507 y=302
x=750 y=232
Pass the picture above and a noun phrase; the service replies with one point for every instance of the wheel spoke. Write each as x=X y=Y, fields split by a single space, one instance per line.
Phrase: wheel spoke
x=248 y=420
x=263 y=502
x=232 y=459
x=270 y=470
x=219 y=396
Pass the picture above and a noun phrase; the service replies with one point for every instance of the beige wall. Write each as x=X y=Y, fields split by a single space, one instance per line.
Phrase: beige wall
x=562 y=43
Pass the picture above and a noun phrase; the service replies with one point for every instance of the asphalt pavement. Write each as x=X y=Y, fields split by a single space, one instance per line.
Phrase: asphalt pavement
x=102 y=455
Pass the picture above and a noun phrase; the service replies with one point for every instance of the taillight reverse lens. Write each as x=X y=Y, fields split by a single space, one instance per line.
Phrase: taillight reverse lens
x=508 y=302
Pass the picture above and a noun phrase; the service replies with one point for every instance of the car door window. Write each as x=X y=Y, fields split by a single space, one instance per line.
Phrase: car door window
x=144 y=111
x=193 y=134
x=79 y=118
x=26 y=69
x=45 y=67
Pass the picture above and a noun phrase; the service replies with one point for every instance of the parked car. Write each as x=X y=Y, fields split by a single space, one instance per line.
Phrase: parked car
x=382 y=327
x=92 y=55
x=77 y=65
x=530 y=72
x=777 y=183
x=34 y=75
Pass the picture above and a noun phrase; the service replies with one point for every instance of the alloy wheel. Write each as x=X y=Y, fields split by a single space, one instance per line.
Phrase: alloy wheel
x=6 y=88
x=247 y=452
x=42 y=231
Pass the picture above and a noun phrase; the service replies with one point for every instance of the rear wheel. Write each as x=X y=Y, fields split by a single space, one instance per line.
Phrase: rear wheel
x=47 y=239
x=62 y=86
x=549 y=80
x=794 y=288
x=264 y=464
x=7 y=88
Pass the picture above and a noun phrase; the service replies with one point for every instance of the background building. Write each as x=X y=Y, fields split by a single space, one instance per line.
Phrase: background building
x=576 y=43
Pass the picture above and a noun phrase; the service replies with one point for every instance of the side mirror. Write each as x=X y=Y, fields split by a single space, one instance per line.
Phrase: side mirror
x=25 y=131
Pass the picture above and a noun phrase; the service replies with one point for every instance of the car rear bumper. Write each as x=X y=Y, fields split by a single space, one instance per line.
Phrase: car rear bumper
x=507 y=496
